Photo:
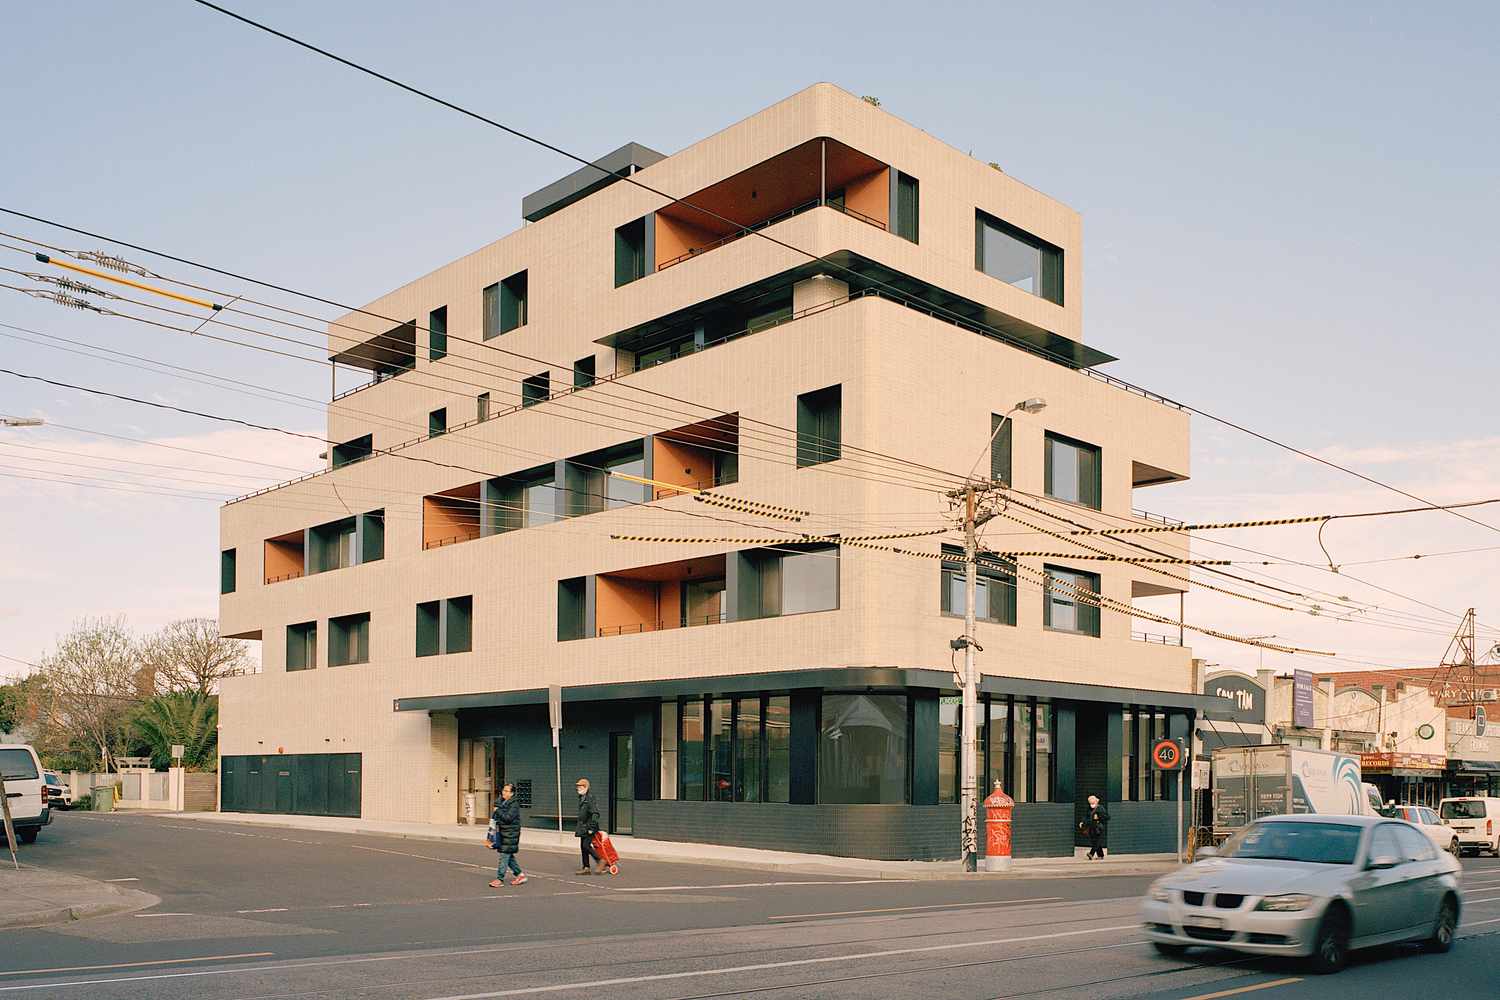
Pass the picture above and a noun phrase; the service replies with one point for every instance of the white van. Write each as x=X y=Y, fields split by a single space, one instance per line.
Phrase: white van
x=1476 y=821
x=25 y=790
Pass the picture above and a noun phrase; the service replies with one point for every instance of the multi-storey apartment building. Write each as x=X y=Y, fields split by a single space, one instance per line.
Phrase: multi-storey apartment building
x=580 y=378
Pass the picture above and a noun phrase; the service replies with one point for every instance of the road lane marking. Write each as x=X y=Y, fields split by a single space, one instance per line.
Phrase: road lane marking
x=131 y=965
x=163 y=914
x=269 y=909
x=122 y=880
x=1476 y=923
x=932 y=906
x=1476 y=902
x=791 y=963
x=756 y=885
x=1246 y=989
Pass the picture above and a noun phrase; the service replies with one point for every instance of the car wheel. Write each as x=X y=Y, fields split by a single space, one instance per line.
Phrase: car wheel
x=1455 y=850
x=1167 y=950
x=27 y=836
x=1446 y=927
x=1331 y=944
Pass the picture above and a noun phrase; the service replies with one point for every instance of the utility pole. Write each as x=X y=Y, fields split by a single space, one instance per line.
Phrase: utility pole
x=969 y=495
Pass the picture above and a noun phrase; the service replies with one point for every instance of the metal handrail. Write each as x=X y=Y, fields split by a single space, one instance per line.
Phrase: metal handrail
x=764 y=223
x=1152 y=637
x=637 y=628
x=284 y=576
x=1146 y=515
x=438 y=543
x=377 y=380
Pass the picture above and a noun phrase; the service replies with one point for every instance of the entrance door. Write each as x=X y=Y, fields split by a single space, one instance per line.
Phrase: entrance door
x=621 y=784
x=481 y=771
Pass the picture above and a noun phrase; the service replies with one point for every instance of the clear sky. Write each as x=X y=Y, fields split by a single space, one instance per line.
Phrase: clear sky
x=1289 y=219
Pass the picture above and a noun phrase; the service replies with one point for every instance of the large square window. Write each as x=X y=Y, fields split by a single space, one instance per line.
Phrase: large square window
x=1018 y=258
x=1072 y=471
x=1071 y=603
x=536 y=389
x=820 y=421
x=994 y=589
x=302 y=646
x=583 y=372
x=863 y=749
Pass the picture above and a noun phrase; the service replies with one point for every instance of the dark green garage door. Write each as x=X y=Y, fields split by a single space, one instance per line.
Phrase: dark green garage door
x=309 y=784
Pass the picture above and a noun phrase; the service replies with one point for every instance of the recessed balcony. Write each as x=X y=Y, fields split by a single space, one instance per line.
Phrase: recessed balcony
x=666 y=596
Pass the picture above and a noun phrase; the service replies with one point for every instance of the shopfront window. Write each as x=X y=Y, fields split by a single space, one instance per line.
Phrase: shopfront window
x=721 y=743
x=668 y=776
x=778 y=742
x=1127 y=753
x=949 y=744
x=690 y=751
x=1042 y=789
x=998 y=745
x=747 y=749
x=863 y=749
x=1023 y=747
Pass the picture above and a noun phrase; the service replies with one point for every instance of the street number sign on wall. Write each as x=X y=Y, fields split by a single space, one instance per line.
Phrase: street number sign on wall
x=1168 y=755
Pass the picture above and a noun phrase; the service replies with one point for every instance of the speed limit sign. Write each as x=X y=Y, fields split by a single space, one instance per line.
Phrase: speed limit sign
x=1168 y=754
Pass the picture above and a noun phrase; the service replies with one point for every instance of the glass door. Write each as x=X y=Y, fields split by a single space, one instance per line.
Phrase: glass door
x=621 y=784
x=481 y=771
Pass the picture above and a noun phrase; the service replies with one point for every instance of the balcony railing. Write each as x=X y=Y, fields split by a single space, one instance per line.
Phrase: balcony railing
x=666 y=492
x=1146 y=515
x=1160 y=640
x=635 y=628
x=285 y=576
x=438 y=543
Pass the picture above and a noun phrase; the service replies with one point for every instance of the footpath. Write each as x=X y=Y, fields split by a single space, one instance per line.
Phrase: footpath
x=35 y=897
x=640 y=848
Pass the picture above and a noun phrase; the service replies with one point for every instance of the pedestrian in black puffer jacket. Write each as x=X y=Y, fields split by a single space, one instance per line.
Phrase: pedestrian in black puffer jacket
x=588 y=825
x=507 y=820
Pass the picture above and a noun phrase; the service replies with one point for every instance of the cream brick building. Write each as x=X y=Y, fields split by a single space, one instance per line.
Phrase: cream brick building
x=416 y=600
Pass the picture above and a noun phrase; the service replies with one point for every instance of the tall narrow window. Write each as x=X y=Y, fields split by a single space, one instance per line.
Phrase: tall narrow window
x=349 y=639
x=1127 y=752
x=227 y=566
x=482 y=407
x=490 y=321
x=1000 y=436
x=1022 y=747
x=429 y=621
x=998 y=743
x=536 y=389
x=690 y=751
x=820 y=426
x=1071 y=603
x=778 y=748
x=904 y=206
x=437 y=422
x=949 y=776
x=437 y=333
x=1018 y=258
x=631 y=259
x=747 y=749
x=667 y=781
x=1042 y=790
x=583 y=372
x=1073 y=471
x=513 y=302
x=572 y=610
x=720 y=734
x=302 y=646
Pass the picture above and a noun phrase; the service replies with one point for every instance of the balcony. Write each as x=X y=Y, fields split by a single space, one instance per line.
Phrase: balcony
x=450 y=517
x=697 y=457
x=818 y=172
x=285 y=557
x=656 y=598
x=385 y=356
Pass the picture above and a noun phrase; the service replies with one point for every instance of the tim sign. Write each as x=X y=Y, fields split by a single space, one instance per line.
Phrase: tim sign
x=1247 y=698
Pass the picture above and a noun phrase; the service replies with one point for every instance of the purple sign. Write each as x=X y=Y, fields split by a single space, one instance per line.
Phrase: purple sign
x=1302 y=699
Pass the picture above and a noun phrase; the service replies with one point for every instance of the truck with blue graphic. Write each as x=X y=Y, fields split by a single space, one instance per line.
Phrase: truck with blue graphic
x=1275 y=780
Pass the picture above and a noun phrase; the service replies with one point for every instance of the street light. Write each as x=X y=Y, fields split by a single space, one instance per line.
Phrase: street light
x=969 y=718
x=21 y=421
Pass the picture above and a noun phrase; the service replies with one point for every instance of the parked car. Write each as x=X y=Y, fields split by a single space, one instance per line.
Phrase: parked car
x=1314 y=886
x=1476 y=820
x=59 y=795
x=1428 y=821
x=26 y=791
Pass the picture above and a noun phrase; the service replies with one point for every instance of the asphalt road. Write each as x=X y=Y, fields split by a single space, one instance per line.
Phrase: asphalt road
x=256 y=912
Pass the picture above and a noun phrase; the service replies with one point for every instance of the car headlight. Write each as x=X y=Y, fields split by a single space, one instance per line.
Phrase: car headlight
x=1160 y=894
x=1287 y=902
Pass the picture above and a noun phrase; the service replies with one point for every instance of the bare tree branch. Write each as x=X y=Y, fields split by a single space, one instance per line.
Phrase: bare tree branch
x=190 y=655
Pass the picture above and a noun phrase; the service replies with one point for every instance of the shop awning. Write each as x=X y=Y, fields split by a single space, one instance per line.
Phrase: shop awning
x=832 y=678
x=1474 y=766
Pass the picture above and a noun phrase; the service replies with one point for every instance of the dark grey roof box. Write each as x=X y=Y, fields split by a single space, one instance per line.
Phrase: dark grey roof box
x=586 y=180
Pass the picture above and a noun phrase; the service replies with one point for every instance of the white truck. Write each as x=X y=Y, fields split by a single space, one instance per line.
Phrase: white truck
x=1277 y=780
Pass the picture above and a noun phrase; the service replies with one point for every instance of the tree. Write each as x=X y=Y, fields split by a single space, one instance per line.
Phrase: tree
x=18 y=705
x=87 y=688
x=190 y=718
x=191 y=655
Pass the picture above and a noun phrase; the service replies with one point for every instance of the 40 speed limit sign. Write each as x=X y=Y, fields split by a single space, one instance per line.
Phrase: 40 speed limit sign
x=1168 y=754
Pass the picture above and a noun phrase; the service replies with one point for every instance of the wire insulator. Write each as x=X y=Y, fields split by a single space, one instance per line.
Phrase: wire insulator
x=72 y=285
x=112 y=262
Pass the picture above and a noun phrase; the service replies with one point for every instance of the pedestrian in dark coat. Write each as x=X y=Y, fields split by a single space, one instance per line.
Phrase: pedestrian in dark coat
x=1096 y=825
x=507 y=820
x=588 y=825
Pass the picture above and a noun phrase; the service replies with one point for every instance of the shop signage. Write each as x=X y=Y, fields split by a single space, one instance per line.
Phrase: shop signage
x=1425 y=731
x=1480 y=718
x=1302 y=699
x=1389 y=762
x=1245 y=695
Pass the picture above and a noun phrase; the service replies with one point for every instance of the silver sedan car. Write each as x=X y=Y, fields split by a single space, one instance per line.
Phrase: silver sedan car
x=1312 y=885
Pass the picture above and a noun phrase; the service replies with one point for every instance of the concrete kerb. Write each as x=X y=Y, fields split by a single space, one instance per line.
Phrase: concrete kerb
x=39 y=897
x=710 y=854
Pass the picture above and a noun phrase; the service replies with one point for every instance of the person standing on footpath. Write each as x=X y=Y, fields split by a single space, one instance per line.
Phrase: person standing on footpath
x=507 y=820
x=1096 y=825
x=588 y=825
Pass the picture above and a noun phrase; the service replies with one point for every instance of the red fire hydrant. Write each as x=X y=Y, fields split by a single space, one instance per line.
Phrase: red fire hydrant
x=997 y=811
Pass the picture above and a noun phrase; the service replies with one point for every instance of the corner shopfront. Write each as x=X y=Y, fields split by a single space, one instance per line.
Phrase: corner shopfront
x=858 y=762
x=1408 y=779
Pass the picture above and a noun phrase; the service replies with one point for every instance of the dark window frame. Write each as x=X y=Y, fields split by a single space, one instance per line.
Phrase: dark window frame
x=1051 y=257
x=536 y=389
x=1090 y=479
x=307 y=640
x=1086 y=613
x=820 y=426
x=348 y=643
x=437 y=334
x=990 y=575
x=437 y=422
x=228 y=571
